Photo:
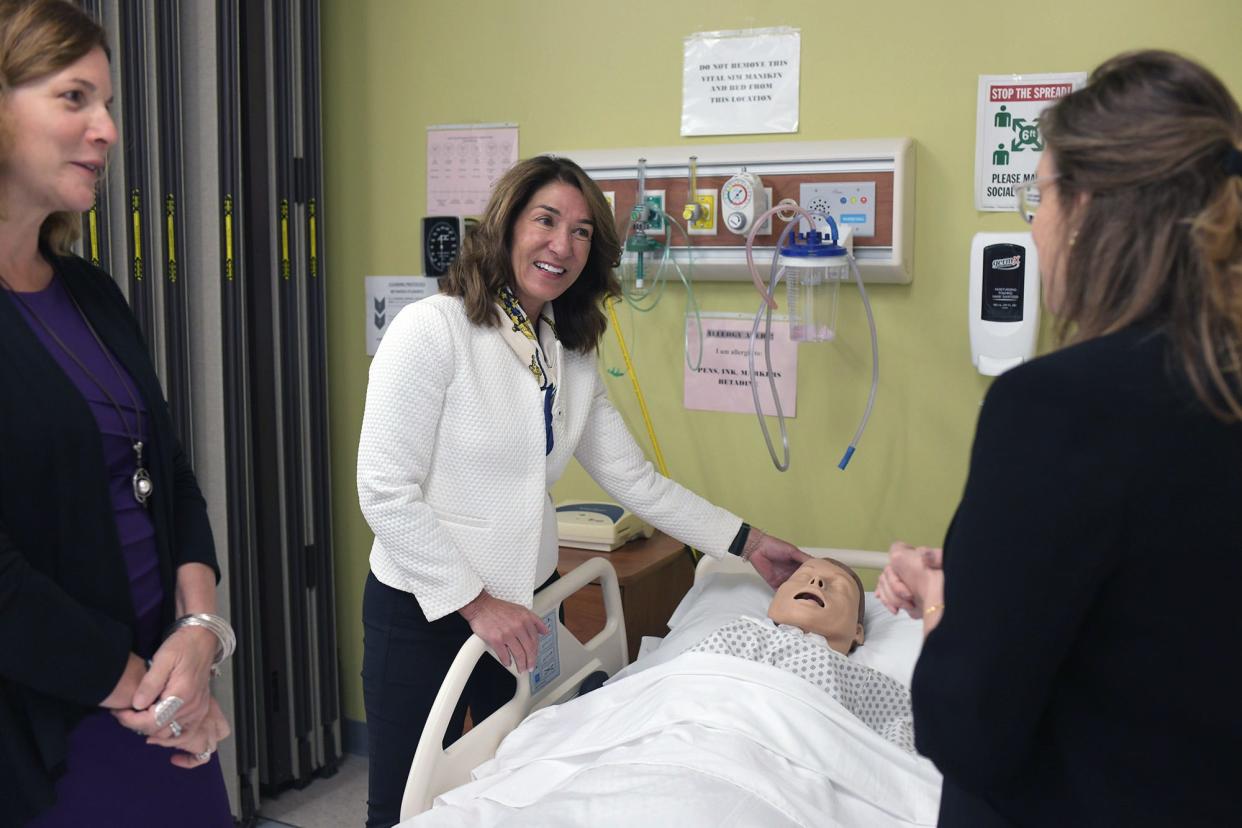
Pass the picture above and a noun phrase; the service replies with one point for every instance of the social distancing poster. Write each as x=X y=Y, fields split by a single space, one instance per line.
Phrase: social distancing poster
x=1008 y=141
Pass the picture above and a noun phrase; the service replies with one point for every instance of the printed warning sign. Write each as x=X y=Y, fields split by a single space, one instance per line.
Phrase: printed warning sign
x=1008 y=142
x=740 y=82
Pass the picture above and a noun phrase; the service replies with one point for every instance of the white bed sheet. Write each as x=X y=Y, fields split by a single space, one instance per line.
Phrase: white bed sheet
x=701 y=740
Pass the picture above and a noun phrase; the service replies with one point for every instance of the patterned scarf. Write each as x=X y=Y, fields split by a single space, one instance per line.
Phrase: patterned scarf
x=522 y=338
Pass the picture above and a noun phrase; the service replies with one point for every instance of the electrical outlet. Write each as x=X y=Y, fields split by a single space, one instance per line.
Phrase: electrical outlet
x=655 y=198
x=705 y=226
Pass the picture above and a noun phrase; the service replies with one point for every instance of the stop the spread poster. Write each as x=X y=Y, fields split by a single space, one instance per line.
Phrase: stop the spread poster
x=1008 y=141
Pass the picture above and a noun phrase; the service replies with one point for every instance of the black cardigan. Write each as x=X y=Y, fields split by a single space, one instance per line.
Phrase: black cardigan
x=1086 y=671
x=66 y=619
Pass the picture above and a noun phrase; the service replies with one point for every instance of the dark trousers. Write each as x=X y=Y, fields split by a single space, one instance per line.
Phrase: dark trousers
x=404 y=662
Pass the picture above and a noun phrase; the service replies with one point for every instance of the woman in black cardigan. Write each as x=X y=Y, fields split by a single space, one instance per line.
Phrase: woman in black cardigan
x=105 y=718
x=1072 y=673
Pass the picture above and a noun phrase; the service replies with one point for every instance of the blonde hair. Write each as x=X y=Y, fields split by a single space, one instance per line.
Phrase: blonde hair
x=485 y=266
x=38 y=38
x=1152 y=141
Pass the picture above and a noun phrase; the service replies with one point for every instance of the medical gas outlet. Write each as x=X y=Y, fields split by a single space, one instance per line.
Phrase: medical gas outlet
x=703 y=220
x=650 y=213
x=742 y=200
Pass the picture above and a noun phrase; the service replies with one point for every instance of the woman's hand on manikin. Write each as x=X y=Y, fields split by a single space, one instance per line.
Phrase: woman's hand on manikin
x=511 y=631
x=774 y=559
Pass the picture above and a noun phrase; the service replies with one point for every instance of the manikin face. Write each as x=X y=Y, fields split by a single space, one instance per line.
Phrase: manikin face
x=550 y=245
x=821 y=597
x=61 y=135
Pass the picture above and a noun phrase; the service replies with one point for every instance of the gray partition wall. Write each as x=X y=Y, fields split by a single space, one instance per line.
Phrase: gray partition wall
x=211 y=221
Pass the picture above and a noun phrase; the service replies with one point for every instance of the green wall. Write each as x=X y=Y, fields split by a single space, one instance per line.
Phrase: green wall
x=587 y=75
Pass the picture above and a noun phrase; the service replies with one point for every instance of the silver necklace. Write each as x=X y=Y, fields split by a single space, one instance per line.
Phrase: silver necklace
x=141 y=481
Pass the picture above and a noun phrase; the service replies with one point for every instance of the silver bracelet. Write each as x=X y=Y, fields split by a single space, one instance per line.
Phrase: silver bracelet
x=217 y=625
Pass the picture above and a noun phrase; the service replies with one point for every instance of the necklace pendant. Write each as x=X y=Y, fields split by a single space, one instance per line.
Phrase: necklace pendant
x=143 y=486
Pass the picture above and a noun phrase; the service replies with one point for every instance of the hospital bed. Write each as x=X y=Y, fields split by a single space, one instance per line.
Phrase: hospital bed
x=712 y=736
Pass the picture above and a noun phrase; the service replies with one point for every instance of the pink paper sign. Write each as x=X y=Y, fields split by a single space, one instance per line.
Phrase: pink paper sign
x=462 y=165
x=721 y=384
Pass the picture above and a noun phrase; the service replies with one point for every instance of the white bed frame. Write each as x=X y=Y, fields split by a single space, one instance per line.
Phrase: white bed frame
x=436 y=769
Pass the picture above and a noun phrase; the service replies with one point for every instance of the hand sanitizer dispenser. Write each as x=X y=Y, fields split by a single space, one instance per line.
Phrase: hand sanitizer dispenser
x=1004 y=301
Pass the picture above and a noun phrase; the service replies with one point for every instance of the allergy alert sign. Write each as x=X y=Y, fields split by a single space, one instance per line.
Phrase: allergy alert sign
x=1008 y=142
x=741 y=82
x=721 y=382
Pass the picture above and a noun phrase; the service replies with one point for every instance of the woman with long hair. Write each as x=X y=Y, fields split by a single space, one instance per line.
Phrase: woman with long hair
x=477 y=400
x=1069 y=676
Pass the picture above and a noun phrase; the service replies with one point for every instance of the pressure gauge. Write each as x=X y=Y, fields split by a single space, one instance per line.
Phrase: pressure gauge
x=737 y=193
x=442 y=236
x=742 y=200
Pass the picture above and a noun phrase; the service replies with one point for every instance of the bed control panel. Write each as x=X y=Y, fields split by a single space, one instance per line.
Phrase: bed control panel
x=548 y=662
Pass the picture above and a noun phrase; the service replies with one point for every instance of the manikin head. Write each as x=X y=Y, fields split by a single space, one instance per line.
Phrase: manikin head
x=824 y=597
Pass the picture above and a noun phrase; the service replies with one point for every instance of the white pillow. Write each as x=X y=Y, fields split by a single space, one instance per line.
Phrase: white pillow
x=892 y=641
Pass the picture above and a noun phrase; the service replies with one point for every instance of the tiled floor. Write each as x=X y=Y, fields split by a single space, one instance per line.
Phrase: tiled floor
x=337 y=802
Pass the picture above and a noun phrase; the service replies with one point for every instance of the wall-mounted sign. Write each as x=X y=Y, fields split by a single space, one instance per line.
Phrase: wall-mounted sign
x=388 y=294
x=721 y=382
x=741 y=82
x=1008 y=142
x=463 y=162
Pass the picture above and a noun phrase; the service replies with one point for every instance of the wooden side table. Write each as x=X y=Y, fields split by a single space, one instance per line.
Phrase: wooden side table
x=653 y=574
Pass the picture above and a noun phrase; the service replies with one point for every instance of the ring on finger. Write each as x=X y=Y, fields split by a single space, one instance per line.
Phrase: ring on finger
x=205 y=755
x=175 y=728
x=166 y=709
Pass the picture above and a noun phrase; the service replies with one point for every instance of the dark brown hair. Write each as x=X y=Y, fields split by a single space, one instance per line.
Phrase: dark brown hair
x=1159 y=233
x=37 y=39
x=484 y=265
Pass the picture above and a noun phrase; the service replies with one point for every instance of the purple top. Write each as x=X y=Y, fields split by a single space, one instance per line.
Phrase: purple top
x=111 y=776
x=54 y=306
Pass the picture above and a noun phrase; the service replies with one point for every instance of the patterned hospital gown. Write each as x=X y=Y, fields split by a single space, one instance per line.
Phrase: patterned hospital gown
x=880 y=702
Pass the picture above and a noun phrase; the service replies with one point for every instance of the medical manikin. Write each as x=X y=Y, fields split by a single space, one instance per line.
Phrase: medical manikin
x=824 y=597
x=814 y=621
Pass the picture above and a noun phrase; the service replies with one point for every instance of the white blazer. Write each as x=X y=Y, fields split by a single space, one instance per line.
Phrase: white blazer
x=452 y=474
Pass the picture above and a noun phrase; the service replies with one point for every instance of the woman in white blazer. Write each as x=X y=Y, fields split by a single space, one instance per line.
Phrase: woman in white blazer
x=477 y=399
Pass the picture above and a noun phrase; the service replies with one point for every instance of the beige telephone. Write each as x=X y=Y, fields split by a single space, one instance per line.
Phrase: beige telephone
x=600 y=527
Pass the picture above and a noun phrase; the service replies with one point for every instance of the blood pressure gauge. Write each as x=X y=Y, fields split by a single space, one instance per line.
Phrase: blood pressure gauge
x=442 y=236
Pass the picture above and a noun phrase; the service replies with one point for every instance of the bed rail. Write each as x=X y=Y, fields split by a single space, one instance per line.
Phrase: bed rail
x=436 y=769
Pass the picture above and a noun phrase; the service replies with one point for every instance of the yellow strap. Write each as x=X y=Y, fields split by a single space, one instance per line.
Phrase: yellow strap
x=642 y=402
x=638 y=391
